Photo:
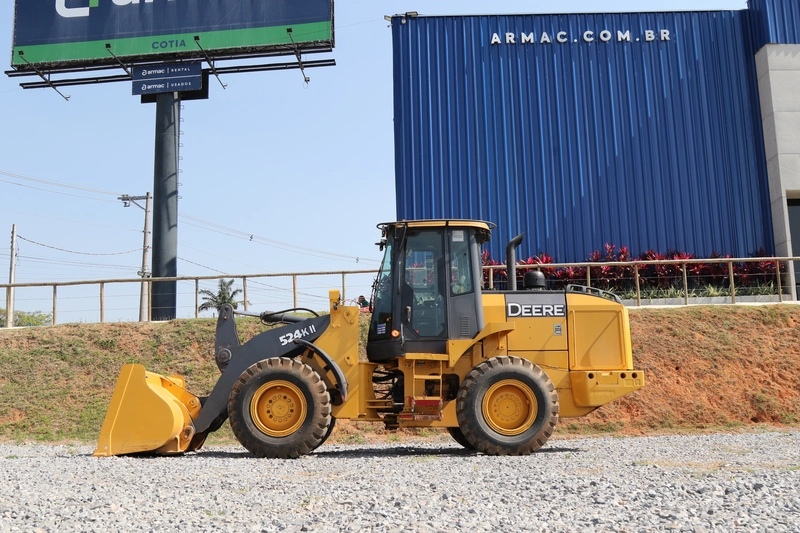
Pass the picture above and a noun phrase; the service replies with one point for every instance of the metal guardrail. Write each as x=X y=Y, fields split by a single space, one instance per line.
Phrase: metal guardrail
x=149 y=281
x=492 y=270
x=729 y=262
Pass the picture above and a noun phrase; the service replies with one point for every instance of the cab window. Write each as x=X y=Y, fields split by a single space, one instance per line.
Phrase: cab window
x=424 y=285
x=461 y=281
x=381 y=323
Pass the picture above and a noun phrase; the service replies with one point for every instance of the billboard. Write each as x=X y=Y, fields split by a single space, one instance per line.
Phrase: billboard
x=75 y=33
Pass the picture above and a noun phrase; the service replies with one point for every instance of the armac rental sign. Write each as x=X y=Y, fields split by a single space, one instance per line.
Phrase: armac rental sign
x=90 y=32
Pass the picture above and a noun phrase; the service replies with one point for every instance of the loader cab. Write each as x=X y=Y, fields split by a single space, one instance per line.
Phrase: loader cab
x=428 y=289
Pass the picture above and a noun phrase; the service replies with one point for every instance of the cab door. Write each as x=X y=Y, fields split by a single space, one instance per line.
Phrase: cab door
x=424 y=286
x=465 y=309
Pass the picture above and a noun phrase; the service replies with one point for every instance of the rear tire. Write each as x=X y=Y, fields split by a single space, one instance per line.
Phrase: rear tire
x=327 y=433
x=507 y=406
x=279 y=408
x=459 y=437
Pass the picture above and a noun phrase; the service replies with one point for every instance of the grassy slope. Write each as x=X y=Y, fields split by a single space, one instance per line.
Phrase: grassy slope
x=707 y=367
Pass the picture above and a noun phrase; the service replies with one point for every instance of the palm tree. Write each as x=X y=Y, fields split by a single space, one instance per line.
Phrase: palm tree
x=222 y=297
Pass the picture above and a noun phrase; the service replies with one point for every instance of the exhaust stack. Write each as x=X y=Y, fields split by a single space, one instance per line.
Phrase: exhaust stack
x=511 y=261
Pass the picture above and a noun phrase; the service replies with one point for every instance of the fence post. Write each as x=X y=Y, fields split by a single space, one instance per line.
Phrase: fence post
x=730 y=277
x=102 y=302
x=344 y=287
x=685 y=286
x=778 y=278
x=491 y=278
x=197 y=297
x=638 y=292
x=588 y=276
x=149 y=300
x=244 y=291
x=294 y=289
x=55 y=288
x=8 y=306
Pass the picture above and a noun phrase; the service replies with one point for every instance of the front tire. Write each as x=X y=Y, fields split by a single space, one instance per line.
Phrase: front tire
x=279 y=408
x=507 y=406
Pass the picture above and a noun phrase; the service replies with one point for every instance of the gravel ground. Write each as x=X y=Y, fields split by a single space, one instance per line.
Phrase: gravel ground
x=722 y=482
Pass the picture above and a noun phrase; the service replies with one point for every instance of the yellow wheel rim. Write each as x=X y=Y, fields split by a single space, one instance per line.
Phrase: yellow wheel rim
x=509 y=407
x=278 y=408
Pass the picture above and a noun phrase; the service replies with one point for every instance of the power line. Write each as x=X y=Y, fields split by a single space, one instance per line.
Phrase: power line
x=72 y=251
x=253 y=281
x=266 y=240
x=246 y=237
x=206 y=267
x=49 y=260
x=272 y=242
x=236 y=233
x=339 y=28
x=89 y=297
x=56 y=192
x=68 y=220
x=56 y=183
x=220 y=256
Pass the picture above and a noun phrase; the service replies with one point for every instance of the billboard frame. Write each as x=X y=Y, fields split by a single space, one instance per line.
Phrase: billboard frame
x=52 y=73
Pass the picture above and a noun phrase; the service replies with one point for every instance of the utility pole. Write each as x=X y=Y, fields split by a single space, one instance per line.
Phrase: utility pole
x=144 y=308
x=145 y=272
x=12 y=276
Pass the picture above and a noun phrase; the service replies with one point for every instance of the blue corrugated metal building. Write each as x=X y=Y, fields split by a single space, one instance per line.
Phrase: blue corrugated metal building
x=636 y=129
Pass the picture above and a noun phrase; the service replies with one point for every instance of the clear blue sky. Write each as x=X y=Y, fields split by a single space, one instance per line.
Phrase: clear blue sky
x=311 y=166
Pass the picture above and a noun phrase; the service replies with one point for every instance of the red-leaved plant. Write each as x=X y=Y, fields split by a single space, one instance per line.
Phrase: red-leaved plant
x=622 y=278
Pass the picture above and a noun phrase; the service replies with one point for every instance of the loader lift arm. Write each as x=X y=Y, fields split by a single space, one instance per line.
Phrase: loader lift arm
x=266 y=345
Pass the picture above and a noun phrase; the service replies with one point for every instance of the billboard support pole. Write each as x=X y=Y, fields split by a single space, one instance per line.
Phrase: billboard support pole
x=121 y=64
x=46 y=79
x=209 y=61
x=165 y=207
x=306 y=79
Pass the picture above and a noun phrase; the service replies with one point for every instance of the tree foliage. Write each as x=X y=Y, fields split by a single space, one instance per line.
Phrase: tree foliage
x=224 y=295
x=23 y=318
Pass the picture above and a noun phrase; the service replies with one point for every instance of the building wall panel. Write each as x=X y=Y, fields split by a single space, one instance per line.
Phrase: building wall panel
x=775 y=21
x=651 y=145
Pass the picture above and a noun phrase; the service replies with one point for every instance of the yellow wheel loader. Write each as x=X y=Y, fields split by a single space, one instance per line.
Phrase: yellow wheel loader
x=496 y=368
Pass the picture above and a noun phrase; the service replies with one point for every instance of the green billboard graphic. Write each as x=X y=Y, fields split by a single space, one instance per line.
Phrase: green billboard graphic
x=95 y=32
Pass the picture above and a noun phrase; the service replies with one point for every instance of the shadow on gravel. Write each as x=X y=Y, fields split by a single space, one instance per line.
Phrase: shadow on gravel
x=362 y=452
x=220 y=454
x=419 y=452
x=359 y=452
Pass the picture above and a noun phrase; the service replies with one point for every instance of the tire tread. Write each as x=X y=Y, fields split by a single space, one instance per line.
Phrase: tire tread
x=470 y=417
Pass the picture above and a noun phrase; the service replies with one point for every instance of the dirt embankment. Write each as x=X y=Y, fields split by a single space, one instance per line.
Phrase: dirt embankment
x=710 y=367
x=707 y=367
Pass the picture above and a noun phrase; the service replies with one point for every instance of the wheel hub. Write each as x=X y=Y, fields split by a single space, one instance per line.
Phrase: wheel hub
x=278 y=408
x=509 y=407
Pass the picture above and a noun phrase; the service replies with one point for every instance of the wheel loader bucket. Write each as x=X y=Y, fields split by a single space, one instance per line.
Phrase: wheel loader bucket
x=148 y=413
